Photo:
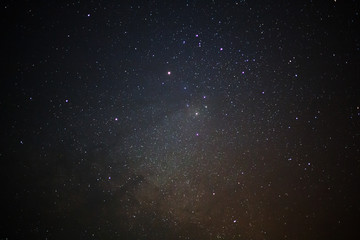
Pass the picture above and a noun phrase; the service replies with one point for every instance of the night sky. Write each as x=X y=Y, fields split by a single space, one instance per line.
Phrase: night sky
x=180 y=119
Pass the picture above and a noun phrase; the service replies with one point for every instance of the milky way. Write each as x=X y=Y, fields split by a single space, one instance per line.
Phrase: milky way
x=180 y=120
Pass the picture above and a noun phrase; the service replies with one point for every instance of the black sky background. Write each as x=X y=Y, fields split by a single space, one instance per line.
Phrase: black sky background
x=180 y=119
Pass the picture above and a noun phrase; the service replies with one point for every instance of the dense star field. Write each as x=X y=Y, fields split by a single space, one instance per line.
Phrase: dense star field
x=180 y=119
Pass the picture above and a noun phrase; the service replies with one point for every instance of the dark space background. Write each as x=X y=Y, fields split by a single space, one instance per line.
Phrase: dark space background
x=180 y=119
